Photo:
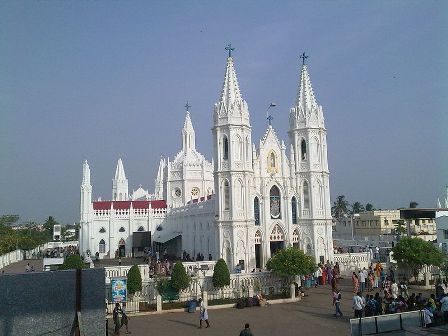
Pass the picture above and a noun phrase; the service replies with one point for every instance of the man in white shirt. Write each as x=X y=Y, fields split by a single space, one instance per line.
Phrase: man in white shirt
x=362 y=279
x=358 y=304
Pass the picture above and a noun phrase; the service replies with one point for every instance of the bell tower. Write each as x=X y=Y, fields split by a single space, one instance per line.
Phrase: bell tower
x=233 y=172
x=308 y=136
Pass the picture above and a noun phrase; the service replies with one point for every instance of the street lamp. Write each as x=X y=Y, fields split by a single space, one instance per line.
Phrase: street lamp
x=268 y=116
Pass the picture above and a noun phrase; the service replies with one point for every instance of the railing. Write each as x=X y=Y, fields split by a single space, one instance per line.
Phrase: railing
x=386 y=323
x=241 y=285
x=122 y=271
x=351 y=262
x=18 y=255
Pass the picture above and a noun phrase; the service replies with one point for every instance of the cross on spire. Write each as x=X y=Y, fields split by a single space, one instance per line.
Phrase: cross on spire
x=230 y=49
x=187 y=107
x=303 y=57
x=270 y=118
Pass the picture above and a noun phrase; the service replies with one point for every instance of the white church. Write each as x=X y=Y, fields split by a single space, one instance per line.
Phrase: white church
x=247 y=203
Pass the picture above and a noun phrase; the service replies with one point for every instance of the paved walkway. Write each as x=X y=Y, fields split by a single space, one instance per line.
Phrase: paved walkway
x=311 y=316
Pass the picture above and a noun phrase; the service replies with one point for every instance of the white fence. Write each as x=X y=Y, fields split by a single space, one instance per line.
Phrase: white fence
x=18 y=255
x=203 y=268
x=352 y=262
x=241 y=285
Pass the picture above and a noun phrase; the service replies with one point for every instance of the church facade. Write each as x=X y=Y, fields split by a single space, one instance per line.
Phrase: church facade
x=245 y=204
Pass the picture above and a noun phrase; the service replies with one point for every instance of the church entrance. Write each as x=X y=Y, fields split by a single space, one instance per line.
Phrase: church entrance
x=276 y=246
x=277 y=239
x=258 y=249
x=122 y=248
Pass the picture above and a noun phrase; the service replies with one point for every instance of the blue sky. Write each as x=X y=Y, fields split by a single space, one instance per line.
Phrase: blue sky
x=95 y=80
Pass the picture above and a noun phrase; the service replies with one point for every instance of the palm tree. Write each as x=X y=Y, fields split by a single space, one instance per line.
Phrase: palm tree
x=369 y=207
x=357 y=208
x=340 y=207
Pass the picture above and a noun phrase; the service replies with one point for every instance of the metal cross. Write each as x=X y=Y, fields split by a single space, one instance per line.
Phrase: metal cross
x=270 y=118
x=303 y=57
x=187 y=107
x=230 y=49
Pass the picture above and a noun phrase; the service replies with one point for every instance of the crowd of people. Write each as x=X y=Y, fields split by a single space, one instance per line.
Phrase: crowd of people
x=57 y=252
x=394 y=297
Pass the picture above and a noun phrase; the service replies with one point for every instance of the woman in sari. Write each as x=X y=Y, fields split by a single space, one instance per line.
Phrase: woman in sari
x=355 y=282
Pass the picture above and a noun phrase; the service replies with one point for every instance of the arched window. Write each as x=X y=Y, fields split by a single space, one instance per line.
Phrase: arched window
x=225 y=148
x=306 y=195
x=121 y=196
x=226 y=195
x=257 y=211
x=303 y=149
x=239 y=193
x=102 y=246
x=122 y=229
x=274 y=197
x=248 y=151
x=102 y=230
x=141 y=228
x=294 y=210
x=258 y=237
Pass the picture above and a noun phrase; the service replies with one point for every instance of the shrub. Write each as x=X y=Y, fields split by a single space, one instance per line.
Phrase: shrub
x=163 y=285
x=134 y=280
x=179 y=277
x=73 y=262
x=221 y=274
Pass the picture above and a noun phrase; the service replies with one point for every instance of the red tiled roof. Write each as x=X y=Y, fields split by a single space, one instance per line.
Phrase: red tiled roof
x=121 y=205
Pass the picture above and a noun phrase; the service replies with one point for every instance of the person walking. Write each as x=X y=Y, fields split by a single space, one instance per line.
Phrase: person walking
x=337 y=302
x=355 y=282
x=358 y=304
x=116 y=318
x=203 y=314
x=124 y=318
x=246 y=331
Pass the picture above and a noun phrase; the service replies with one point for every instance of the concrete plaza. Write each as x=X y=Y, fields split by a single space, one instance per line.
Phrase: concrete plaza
x=311 y=316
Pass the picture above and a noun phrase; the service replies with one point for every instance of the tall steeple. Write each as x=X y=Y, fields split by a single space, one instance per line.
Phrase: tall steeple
x=308 y=137
x=231 y=106
x=86 y=192
x=188 y=134
x=233 y=173
x=86 y=208
x=120 y=190
x=305 y=95
x=86 y=174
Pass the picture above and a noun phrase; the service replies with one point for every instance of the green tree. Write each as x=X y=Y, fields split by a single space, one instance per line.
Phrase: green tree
x=48 y=226
x=290 y=262
x=179 y=277
x=8 y=220
x=357 y=208
x=73 y=262
x=369 y=207
x=221 y=274
x=415 y=252
x=340 y=207
x=134 y=280
x=413 y=204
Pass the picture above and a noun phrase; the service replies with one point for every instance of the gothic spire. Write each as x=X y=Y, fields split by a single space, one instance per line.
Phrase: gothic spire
x=85 y=174
x=305 y=95
x=119 y=172
x=188 y=134
x=230 y=89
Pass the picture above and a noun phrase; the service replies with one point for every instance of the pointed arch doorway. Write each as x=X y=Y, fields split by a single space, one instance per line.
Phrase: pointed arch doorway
x=276 y=239
x=121 y=248
x=258 y=250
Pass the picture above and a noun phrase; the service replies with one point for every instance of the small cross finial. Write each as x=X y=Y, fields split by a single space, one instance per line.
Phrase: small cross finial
x=270 y=118
x=187 y=107
x=303 y=57
x=229 y=49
